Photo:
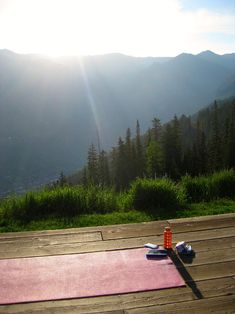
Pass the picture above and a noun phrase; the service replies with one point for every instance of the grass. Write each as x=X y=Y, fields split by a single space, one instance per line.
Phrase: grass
x=221 y=206
x=78 y=221
x=146 y=200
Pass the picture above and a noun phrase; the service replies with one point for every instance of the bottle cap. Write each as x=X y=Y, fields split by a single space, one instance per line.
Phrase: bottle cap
x=167 y=228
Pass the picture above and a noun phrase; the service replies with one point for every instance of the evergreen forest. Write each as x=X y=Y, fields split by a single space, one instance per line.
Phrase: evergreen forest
x=188 y=145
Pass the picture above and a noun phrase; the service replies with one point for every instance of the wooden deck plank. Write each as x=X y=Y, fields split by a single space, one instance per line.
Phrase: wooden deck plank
x=225 y=304
x=211 y=271
x=134 y=230
x=210 y=257
x=106 y=312
x=17 y=249
x=123 y=228
x=217 y=287
x=208 y=218
x=207 y=252
x=71 y=248
x=108 y=303
x=51 y=240
x=192 y=235
x=209 y=288
x=204 y=234
x=213 y=244
x=201 y=224
x=67 y=310
x=40 y=233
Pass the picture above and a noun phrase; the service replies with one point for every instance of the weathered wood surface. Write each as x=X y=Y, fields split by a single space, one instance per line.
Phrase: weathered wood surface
x=42 y=247
x=210 y=276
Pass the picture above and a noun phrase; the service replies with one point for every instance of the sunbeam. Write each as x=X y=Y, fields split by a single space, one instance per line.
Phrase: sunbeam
x=91 y=102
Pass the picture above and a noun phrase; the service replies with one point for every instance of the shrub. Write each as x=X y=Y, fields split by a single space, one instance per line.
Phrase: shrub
x=196 y=189
x=100 y=200
x=124 y=201
x=223 y=184
x=206 y=188
x=150 y=194
x=61 y=202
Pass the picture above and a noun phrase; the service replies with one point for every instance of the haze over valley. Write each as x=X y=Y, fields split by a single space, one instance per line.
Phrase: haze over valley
x=51 y=110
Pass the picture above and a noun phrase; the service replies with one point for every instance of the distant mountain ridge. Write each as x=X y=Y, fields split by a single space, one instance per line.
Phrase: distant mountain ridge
x=52 y=109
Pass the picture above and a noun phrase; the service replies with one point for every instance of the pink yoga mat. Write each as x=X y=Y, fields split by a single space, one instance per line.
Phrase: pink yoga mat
x=84 y=275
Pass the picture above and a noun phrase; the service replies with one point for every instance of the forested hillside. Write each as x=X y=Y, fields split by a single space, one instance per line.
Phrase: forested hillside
x=194 y=145
x=52 y=109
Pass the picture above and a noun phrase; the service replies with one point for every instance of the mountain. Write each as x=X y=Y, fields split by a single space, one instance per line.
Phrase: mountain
x=224 y=60
x=52 y=109
x=183 y=84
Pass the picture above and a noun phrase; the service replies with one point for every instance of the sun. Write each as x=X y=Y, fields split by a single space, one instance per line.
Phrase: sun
x=53 y=27
x=83 y=27
x=132 y=27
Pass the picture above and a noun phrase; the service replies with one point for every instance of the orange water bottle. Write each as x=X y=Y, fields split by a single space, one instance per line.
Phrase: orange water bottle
x=167 y=238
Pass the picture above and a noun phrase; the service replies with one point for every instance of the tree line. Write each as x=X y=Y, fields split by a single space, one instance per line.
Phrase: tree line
x=193 y=145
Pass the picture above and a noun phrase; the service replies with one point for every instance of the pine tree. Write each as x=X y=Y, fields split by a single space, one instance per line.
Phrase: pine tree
x=113 y=166
x=103 y=169
x=156 y=129
x=225 y=137
x=186 y=131
x=172 y=149
x=200 y=151
x=139 y=161
x=154 y=154
x=129 y=164
x=177 y=142
x=148 y=137
x=231 y=142
x=203 y=153
x=62 y=181
x=188 y=162
x=216 y=159
x=84 y=180
x=120 y=176
x=154 y=160
x=92 y=165
x=167 y=148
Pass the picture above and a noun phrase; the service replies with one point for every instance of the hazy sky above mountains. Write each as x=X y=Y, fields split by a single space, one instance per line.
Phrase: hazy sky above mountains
x=132 y=27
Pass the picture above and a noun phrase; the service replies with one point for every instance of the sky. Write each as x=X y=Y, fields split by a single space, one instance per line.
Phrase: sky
x=132 y=27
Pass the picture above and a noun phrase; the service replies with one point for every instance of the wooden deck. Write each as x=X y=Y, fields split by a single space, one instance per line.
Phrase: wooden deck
x=210 y=276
